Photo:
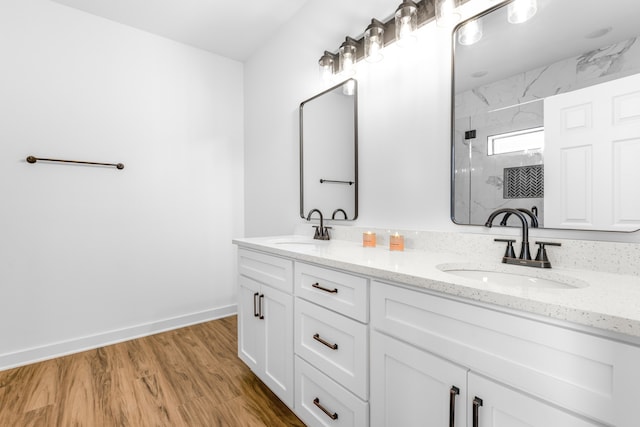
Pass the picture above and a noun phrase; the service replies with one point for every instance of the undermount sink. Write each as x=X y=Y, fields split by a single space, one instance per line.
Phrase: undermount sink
x=297 y=243
x=512 y=276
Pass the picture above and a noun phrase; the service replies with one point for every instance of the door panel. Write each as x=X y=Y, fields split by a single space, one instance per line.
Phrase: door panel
x=505 y=407
x=250 y=328
x=592 y=142
x=278 y=343
x=410 y=387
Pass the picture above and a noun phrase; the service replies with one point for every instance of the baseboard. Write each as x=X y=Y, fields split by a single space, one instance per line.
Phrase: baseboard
x=49 y=351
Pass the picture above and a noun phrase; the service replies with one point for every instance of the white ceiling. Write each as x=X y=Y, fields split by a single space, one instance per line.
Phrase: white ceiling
x=234 y=29
x=560 y=30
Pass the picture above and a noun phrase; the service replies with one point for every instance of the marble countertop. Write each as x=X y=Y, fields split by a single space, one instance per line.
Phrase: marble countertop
x=606 y=301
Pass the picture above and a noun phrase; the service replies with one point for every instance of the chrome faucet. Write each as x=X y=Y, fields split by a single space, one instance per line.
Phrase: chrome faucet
x=541 y=261
x=322 y=232
x=533 y=217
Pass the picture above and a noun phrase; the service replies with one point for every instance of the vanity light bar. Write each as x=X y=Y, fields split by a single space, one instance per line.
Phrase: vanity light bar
x=425 y=12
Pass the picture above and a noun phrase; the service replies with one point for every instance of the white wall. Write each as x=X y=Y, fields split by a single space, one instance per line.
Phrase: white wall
x=277 y=79
x=404 y=109
x=403 y=121
x=90 y=255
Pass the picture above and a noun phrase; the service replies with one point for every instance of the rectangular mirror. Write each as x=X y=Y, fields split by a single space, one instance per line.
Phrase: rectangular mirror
x=329 y=153
x=546 y=114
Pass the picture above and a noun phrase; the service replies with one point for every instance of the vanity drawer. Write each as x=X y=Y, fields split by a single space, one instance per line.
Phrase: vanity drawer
x=317 y=393
x=270 y=270
x=335 y=344
x=580 y=372
x=345 y=293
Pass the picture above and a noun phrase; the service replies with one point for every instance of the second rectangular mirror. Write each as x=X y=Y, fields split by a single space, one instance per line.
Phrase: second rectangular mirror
x=547 y=114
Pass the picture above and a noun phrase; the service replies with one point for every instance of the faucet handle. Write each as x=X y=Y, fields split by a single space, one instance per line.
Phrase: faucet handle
x=510 y=252
x=542 y=252
x=322 y=233
x=326 y=232
x=549 y=243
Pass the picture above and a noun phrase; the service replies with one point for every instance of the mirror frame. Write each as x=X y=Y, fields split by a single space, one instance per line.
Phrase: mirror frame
x=355 y=147
x=452 y=129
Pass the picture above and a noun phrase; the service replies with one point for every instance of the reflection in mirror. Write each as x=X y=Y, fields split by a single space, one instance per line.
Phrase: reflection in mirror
x=546 y=115
x=329 y=153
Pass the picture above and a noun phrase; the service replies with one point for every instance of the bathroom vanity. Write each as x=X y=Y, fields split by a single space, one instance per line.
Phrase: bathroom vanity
x=355 y=336
x=444 y=333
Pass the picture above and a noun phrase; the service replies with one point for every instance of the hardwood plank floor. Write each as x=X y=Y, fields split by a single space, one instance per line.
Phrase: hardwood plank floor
x=187 y=377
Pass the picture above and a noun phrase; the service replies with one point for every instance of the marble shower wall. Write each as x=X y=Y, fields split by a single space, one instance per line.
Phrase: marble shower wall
x=516 y=103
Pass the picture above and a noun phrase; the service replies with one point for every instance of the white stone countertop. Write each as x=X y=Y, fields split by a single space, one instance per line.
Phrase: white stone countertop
x=605 y=301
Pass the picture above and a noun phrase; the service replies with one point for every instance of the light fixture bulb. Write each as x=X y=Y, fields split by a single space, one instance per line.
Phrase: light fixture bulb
x=349 y=87
x=406 y=20
x=446 y=14
x=326 y=64
x=470 y=33
x=520 y=11
x=374 y=41
x=347 y=57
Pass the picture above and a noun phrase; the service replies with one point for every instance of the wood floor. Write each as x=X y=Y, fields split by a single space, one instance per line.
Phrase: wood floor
x=187 y=377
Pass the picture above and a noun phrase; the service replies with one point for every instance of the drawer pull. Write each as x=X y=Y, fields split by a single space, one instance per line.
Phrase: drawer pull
x=333 y=416
x=255 y=308
x=328 y=344
x=331 y=291
x=453 y=392
x=260 y=306
x=477 y=403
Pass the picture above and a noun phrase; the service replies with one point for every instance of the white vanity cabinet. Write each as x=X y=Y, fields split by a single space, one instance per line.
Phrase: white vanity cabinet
x=345 y=349
x=525 y=372
x=331 y=346
x=265 y=319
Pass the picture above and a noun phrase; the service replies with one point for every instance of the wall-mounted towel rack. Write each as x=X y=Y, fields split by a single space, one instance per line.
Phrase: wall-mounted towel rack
x=32 y=159
x=322 y=181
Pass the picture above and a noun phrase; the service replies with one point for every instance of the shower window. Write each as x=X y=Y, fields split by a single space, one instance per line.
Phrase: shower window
x=512 y=142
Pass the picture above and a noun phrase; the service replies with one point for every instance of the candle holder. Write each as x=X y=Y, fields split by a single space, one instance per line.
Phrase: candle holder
x=369 y=239
x=396 y=242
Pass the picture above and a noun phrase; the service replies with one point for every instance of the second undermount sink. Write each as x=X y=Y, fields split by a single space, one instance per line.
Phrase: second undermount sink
x=512 y=276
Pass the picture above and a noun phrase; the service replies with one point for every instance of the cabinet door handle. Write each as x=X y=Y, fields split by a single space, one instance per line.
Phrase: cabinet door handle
x=333 y=416
x=260 y=306
x=453 y=392
x=328 y=344
x=255 y=305
x=331 y=291
x=477 y=403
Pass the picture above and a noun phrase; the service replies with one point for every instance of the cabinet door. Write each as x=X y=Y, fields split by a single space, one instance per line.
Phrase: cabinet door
x=277 y=313
x=250 y=327
x=505 y=407
x=410 y=387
